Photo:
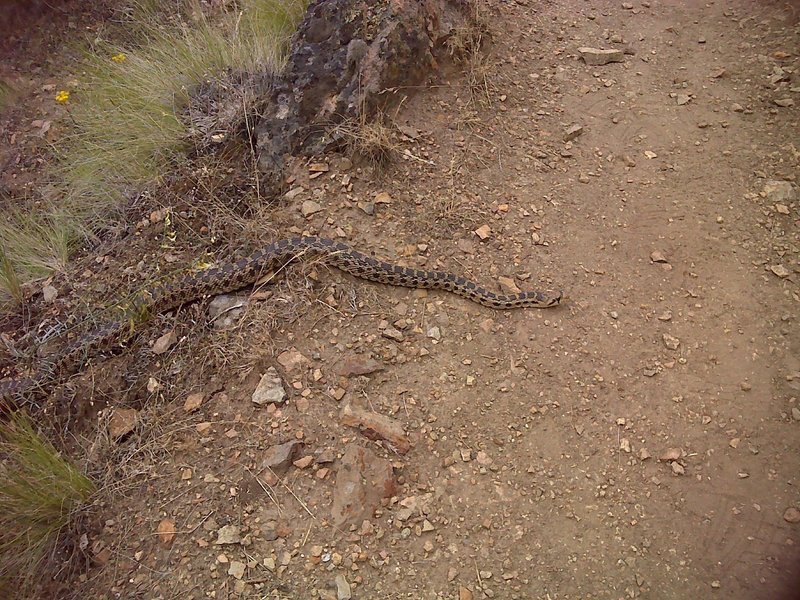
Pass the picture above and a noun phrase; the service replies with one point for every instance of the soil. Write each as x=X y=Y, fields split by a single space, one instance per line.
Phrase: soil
x=640 y=441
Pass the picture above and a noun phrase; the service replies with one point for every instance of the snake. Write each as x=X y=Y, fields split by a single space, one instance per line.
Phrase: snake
x=234 y=275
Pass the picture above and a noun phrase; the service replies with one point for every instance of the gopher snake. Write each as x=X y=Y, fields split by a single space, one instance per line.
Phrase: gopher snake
x=235 y=275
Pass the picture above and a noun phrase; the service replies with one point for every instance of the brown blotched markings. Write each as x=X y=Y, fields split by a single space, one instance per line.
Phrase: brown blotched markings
x=246 y=271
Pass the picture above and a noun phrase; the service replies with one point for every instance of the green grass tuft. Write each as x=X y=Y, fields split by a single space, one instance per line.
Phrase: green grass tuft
x=40 y=494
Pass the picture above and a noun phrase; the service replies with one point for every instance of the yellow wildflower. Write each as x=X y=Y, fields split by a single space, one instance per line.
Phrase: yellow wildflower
x=118 y=58
x=62 y=96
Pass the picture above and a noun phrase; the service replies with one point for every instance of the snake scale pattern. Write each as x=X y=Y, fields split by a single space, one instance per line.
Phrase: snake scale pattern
x=235 y=275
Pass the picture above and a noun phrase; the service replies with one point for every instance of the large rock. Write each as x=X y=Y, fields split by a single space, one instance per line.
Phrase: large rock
x=362 y=480
x=345 y=57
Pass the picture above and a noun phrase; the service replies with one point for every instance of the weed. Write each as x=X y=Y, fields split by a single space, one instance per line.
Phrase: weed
x=40 y=495
x=371 y=139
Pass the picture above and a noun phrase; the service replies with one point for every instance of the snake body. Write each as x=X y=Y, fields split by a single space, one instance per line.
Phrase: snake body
x=246 y=271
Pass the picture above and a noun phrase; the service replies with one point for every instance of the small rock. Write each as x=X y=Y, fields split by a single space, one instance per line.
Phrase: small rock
x=269 y=389
x=736 y=107
x=508 y=285
x=625 y=445
x=782 y=209
x=716 y=584
x=122 y=422
x=779 y=191
x=342 y=588
x=224 y=310
x=464 y=593
x=393 y=334
x=309 y=207
x=665 y=316
x=368 y=208
x=236 y=569
x=670 y=454
x=670 y=341
x=434 y=333
x=644 y=454
x=658 y=257
x=791 y=515
x=682 y=99
x=291 y=359
x=362 y=481
x=318 y=168
x=228 y=534
x=483 y=232
x=193 y=402
x=164 y=343
x=294 y=193
x=780 y=271
x=677 y=468
x=166 y=532
x=572 y=132
x=784 y=102
x=358 y=365
x=796 y=413
x=596 y=56
x=303 y=463
x=376 y=426
x=279 y=458
x=49 y=294
x=382 y=198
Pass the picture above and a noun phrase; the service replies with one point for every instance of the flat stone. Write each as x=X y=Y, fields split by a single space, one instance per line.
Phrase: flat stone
x=596 y=56
x=294 y=193
x=224 y=310
x=658 y=257
x=228 y=534
x=236 y=569
x=572 y=132
x=358 y=365
x=362 y=481
x=508 y=285
x=269 y=389
x=791 y=515
x=483 y=232
x=376 y=426
x=122 y=422
x=193 y=402
x=291 y=360
x=779 y=191
x=309 y=207
x=279 y=458
x=49 y=293
x=780 y=271
x=343 y=591
x=164 y=343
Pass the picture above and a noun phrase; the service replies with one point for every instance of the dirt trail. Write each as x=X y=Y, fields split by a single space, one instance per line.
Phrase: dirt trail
x=537 y=435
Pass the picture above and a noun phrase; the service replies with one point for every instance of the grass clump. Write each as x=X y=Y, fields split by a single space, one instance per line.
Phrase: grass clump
x=40 y=495
x=130 y=121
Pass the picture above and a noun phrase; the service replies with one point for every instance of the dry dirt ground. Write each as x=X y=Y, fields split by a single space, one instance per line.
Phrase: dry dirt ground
x=640 y=441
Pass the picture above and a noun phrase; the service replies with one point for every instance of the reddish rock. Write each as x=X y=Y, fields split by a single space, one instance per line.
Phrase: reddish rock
x=362 y=480
x=358 y=365
x=376 y=426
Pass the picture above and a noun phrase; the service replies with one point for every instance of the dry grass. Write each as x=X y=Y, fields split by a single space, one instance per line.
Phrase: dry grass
x=370 y=139
x=132 y=123
x=40 y=495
